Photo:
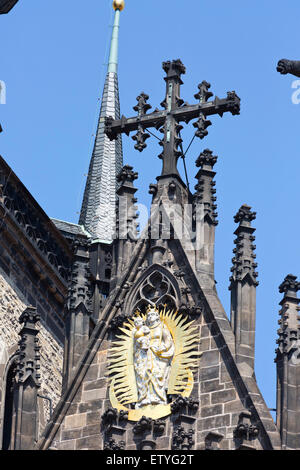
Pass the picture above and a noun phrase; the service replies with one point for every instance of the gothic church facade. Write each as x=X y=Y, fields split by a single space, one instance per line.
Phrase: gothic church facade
x=114 y=340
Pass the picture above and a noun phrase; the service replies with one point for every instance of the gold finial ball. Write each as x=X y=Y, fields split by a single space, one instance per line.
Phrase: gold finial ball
x=118 y=5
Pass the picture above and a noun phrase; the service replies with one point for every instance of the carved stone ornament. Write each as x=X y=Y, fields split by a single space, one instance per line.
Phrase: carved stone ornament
x=245 y=430
x=35 y=229
x=181 y=403
x=159 y=425
x=117 y=322
x=153 y=358
x=113 y=445
x=286 y=66
x=143 y=425
x=110 y=416
x=183 y=440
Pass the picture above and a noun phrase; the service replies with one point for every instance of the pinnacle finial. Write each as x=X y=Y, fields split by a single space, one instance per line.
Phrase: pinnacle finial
x=127 y=174
x=290 y=286
x=118 y=5
x=206 y=158
x=245 y=215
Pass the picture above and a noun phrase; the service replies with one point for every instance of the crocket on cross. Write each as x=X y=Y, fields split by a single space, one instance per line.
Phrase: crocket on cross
x=168 y=120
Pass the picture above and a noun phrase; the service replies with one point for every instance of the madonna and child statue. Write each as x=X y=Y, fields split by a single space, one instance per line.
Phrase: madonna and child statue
x=152 y=362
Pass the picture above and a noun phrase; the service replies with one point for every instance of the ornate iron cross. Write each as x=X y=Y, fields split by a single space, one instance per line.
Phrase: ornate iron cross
x=168 y=120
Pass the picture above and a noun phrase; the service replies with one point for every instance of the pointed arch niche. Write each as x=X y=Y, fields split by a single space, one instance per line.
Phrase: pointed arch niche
x=7 y=396
x=157 y=286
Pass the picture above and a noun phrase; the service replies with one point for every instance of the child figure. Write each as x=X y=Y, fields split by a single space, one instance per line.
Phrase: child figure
x=141 y=334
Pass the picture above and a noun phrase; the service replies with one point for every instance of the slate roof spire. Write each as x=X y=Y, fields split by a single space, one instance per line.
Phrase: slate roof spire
x=98 y=209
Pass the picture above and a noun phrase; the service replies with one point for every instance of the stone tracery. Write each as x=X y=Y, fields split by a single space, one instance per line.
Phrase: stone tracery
x=156 y=288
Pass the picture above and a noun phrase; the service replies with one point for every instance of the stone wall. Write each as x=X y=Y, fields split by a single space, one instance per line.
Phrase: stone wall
x=211 y=423
x=81 y=428
x=17 y=291
x=220 y=403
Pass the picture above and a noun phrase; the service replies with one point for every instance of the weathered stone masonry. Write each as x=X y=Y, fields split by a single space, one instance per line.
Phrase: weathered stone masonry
x=12 y=304
x=32 y=273
x=71 y=289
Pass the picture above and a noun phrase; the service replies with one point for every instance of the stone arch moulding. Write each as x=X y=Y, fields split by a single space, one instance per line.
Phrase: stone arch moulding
x=7 y=358
x=156 y=286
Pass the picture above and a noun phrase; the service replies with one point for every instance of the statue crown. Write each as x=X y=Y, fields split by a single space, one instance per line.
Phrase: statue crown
x=151 y=309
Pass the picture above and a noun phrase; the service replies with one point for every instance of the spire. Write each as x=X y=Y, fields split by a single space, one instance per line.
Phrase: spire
x=114 y=46
x=99 y=201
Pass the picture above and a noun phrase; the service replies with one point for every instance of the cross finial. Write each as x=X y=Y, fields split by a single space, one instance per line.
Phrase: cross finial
x=175 y=111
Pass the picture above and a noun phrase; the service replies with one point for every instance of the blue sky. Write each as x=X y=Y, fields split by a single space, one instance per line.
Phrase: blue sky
x=53 y=56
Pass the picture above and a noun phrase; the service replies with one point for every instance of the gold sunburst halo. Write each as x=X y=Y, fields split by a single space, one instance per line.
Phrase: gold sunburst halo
x=123 y=388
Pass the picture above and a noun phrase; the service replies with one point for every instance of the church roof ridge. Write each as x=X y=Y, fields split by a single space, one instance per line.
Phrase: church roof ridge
x=68 y=224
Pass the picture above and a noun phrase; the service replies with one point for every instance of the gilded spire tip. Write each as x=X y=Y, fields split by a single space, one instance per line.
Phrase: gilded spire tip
x=118 y=5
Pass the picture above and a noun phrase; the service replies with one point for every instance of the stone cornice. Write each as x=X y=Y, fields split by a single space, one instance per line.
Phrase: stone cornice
x=40 y=239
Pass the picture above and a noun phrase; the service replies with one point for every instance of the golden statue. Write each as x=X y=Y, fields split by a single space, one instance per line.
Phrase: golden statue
x=153 y=358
